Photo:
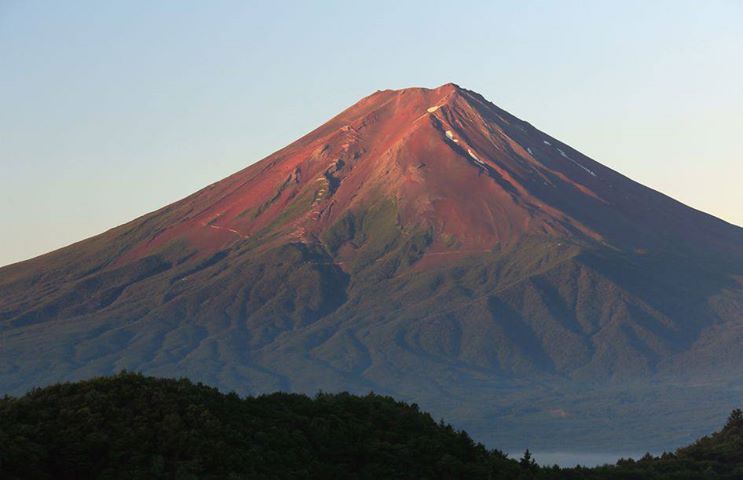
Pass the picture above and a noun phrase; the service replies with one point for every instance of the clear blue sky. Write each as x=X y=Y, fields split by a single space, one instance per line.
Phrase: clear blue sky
x=109 y=110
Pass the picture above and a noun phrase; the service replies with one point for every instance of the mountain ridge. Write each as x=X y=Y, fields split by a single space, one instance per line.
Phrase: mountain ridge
x=422 y=243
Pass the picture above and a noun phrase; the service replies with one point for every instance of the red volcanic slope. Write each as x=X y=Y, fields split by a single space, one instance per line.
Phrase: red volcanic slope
x=425 y=243
x=450 y=160
x=434 y=151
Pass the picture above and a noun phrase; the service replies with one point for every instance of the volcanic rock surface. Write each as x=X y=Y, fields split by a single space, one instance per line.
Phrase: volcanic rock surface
x=423 y=243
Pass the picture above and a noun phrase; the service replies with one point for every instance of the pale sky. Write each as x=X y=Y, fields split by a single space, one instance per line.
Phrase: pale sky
x=109 y=110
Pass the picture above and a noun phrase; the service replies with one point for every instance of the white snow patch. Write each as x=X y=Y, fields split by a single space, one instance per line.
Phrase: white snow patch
x=432 y=109
x=546 y=142
x=474 y=157
x=529 y=150
x=227 y=229
x=449 y=135
x=576 y=163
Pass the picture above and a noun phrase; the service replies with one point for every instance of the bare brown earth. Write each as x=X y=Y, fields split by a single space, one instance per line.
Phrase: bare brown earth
x=423 y=243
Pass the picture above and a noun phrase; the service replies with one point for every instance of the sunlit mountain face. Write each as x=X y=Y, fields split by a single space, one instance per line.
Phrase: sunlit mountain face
x=422 y=243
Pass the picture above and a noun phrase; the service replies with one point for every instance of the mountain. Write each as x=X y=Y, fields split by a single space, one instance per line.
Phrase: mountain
x=423 y=243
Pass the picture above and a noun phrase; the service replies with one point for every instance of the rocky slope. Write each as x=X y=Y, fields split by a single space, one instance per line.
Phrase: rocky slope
x=422 y=243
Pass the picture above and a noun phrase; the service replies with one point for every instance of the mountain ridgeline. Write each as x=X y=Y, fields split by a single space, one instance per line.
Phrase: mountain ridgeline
x=423 y=243
x=131 y=426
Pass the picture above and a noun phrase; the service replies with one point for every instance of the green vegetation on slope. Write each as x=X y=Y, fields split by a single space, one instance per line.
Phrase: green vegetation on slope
x=131 y=426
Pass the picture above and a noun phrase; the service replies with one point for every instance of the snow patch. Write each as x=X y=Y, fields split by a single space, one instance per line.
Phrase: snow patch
x=432 y=109
x=474 y=157
x=450 y=136
x=226 y=229
x=576 y=163
x=529 y=150
x=546 y=142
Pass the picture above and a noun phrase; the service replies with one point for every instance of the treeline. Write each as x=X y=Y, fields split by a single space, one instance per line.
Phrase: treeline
x=717 y=456
x=131 y=426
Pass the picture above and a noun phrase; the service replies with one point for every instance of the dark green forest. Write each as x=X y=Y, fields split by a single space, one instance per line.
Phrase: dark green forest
x=132 y=426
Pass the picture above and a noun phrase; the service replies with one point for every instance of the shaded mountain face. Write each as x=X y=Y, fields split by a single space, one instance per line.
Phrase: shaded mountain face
x=423 y=243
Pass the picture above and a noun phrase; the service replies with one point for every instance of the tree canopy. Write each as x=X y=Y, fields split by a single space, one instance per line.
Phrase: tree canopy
x=136 y=427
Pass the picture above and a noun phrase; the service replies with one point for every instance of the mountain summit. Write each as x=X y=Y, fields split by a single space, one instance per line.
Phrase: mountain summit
x=423 y=243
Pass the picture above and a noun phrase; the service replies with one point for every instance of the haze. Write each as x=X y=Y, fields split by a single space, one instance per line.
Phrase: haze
x=112 y=110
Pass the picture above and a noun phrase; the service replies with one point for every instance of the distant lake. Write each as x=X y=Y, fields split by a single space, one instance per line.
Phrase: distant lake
x=571 y=459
